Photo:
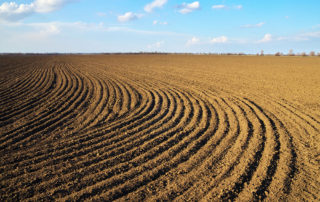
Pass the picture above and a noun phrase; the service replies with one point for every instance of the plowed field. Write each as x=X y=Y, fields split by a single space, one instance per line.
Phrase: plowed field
x=159 y=127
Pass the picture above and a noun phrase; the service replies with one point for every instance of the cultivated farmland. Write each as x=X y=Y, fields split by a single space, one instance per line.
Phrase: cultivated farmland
x=166 y=127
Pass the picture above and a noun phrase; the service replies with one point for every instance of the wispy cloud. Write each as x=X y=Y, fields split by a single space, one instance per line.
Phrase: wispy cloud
x=156 y=45
x=306 y=36
x=156 y=22
x=44 y=31
x=45 y=6
x=221 y=39
x=129 y=16
x=266 y=38
x=155 y=4
x=253 y=25
x=185 y=8
x=14 y=12
x=312 y=34
x=222 y=6
x=219 y=6
x=238 y=7
x=55 y=28
x=194 y=40
x=101 y=14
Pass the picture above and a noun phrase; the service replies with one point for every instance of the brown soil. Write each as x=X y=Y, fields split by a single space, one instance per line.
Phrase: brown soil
x=166 y=127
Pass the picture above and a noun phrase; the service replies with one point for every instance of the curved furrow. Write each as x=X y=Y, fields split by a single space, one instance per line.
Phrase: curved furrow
x=94 y=146
x=243 y=167
x=68 y=104
x=80 y=118
x=103 y=163
x=22 y=88
x=133 y=107
x=154 y=128
x=41 y=114
x=221 y=154
x=14 y=93
x=145 y=112
x=37 y=75
x=125 y=108
x=114 y=134
x=48 y=122
x=93 y=170
x=16 y=126
x=67 y=113
x=10 y=70
x=42 y=91
x=63 y=87
x=17 y=83
x=220 y=140
x=96 y=106
x=262 y=190
x=79 y=146
x=299 y=130
x=300 y=115
x=65 y=149
x=278 y=183
x=183 y=149
x=312 y=114
x=96 y=130
x=116 y=107
x=107 y=147
x=227 y=164
x=111 y=102
x=122 y=108
x=262 y=178
x=102 y=148
x=249 y=170
x=9 y=108
x=168 y=143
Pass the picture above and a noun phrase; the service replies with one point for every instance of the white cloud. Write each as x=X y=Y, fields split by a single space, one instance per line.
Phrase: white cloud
x=221 y=39
x=55 y=28
x=311 y=34
x=238 y=7
x=34 y=31
x=101 y=14
x=188 y=8
x=306 y=36
x=155 y=22
x=156 y=45
x=128 y=16
x=219 y=6
x=155 y=4
x=194 y=40
x=253 y=25
x=60 y=37
x=45 y=31
x=45 y=6
x=266 y=38
x=14 y=12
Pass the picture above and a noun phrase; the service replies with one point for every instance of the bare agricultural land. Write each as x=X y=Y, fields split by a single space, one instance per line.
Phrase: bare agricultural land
x=166 y=127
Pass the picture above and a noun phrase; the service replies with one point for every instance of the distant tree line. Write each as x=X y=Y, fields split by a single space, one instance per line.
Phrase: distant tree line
x=291 y=53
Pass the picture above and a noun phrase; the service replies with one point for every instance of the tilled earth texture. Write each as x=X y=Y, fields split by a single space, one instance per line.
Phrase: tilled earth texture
x=159 y=127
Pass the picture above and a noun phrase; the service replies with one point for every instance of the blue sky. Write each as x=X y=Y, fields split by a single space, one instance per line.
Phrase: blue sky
x=212 y=26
